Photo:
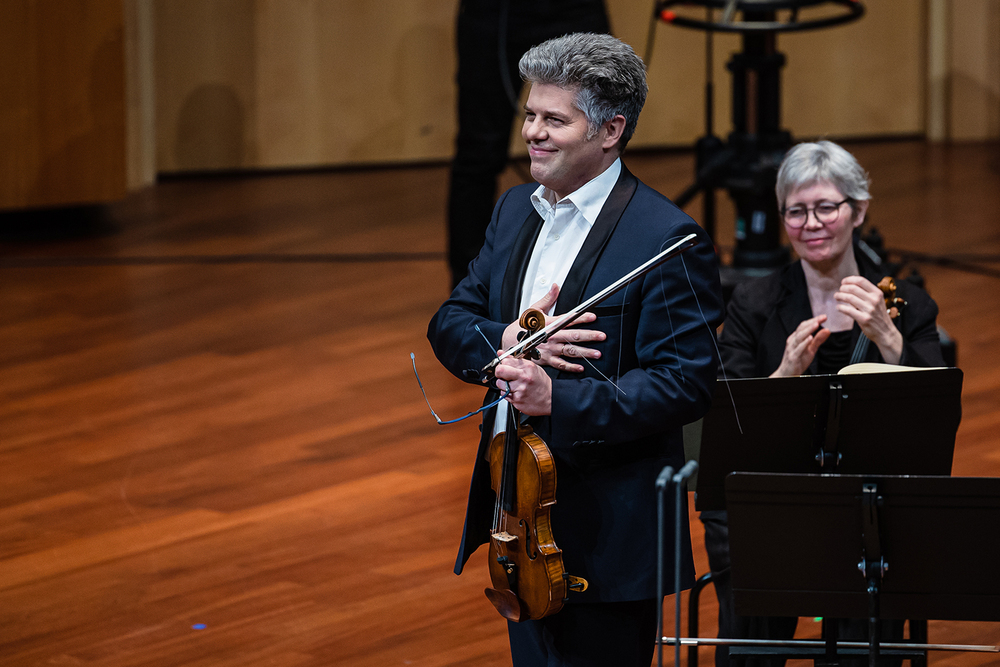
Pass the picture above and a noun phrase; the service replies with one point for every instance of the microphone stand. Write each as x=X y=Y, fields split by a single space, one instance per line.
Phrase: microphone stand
x=666 y=477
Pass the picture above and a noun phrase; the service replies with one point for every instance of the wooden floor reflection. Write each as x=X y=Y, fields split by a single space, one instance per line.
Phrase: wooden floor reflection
x=213 y=450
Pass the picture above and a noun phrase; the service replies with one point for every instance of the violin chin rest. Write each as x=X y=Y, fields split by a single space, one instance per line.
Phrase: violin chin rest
x=506 y=602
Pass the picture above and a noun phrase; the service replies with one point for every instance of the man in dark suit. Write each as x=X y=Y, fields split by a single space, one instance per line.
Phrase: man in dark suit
x=609 y=396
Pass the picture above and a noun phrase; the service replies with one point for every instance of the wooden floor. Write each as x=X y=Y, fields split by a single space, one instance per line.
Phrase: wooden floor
x=213 y=450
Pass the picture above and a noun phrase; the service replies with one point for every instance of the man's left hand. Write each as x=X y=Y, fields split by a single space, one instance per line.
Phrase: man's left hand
x=562 y=345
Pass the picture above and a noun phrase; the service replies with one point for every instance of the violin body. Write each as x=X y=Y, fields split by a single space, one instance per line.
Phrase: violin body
x=526 y=566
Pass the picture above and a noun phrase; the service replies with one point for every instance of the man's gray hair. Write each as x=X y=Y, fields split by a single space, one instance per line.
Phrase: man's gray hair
x=810 y=163
x=607 y=74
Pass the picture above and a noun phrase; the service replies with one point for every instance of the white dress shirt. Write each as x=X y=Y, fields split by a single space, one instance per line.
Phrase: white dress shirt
x=567 y=223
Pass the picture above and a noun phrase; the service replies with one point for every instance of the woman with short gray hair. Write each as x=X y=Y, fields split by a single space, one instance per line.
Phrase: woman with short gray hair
x=822 y=161
x=815 y=316
x=824 y=311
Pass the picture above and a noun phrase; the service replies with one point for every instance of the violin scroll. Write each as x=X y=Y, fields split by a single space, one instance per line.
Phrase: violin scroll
x=893 y=303
x=532 y=321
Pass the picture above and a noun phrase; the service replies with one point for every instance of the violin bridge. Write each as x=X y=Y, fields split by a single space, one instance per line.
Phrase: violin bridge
x=504 y=537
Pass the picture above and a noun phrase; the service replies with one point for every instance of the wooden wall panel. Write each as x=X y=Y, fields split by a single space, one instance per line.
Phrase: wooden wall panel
x=140 y=94
x=206 y=99
x=277 y=83
x=863 y=78
x=975 y=70
x=272 y=83
x=281 y=83
x=62 y=102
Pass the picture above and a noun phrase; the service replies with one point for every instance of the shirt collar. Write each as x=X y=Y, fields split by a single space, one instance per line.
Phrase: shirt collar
x=589 y=198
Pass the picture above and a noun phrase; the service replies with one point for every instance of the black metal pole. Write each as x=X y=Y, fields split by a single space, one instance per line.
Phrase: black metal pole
x=661 y=484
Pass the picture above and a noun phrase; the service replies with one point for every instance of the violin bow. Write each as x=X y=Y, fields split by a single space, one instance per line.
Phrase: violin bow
x=527 y=345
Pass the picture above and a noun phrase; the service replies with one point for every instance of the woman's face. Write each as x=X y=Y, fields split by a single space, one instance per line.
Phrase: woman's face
x=822 y=244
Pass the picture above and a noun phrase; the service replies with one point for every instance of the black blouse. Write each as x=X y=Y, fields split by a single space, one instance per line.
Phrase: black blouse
x=834 y=353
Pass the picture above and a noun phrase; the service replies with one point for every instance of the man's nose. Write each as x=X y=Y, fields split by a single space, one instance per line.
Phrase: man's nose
x=533 y=130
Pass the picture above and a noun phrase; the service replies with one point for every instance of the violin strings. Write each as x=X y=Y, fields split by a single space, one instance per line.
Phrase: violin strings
x=621 y=341
x=715 y=342
x=496 y=512
x=666 y=306
x=591 y=364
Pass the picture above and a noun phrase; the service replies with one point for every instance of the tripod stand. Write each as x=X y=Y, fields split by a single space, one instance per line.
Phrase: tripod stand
x=747 y=164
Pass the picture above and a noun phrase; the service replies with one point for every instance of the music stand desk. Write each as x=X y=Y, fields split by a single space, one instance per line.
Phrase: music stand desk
x=879 y=423
x=857 y=546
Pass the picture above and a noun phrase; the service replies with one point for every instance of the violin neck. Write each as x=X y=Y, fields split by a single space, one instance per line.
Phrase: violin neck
x=508 y=479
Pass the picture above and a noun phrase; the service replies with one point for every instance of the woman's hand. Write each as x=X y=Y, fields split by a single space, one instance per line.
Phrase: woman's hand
x=801 y=346
x=564 y=344
x=865 y=304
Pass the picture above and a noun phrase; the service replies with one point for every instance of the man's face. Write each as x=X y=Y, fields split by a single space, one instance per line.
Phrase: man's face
x=562 y=158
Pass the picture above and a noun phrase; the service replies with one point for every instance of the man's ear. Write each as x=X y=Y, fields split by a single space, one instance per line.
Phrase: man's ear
x=614 y=129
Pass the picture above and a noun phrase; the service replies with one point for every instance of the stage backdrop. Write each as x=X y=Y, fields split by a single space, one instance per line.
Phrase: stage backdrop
x=272 y=83
x=98 y=96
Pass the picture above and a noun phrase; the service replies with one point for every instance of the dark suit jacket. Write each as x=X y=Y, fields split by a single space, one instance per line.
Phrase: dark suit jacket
x=660 y=350
x=762 y=313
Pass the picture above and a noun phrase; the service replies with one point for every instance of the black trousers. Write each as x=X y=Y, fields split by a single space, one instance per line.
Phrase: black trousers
x=619 y=634
x=485 y=110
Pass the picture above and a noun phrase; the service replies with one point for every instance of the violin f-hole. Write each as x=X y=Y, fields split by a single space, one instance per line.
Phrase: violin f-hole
x=526 y=528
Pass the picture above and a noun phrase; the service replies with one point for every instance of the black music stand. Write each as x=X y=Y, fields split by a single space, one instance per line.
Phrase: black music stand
x=855 y=546
x=890 y=423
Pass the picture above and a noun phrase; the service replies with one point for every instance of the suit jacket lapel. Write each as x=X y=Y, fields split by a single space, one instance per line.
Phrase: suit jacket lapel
x=572 y=292
x=517 y=264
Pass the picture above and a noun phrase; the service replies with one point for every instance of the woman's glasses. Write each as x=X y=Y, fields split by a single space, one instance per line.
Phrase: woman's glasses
x=825 y=212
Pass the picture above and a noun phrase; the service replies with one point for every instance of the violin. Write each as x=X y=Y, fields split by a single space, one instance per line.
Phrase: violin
x=526 y=566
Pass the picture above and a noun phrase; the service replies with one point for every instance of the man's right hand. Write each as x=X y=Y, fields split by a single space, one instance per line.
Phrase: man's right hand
x=563 y=345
